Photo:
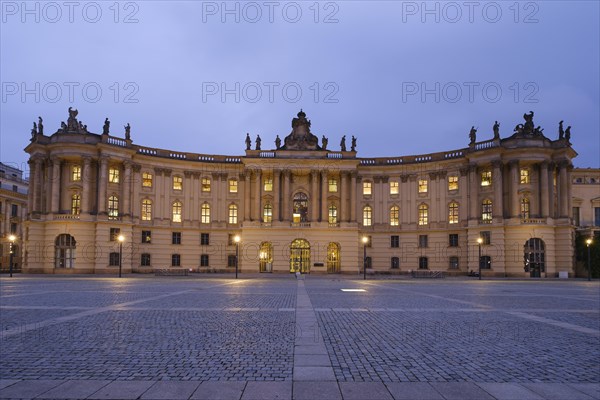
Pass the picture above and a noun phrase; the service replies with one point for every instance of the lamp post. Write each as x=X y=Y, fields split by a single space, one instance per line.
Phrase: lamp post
x=365 y=240
x=479 y=242
x=588 y=242
x=12 y=239
x=237 y=253
x=121 y=239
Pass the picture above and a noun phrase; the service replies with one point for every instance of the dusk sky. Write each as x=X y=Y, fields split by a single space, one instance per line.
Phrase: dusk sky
x=403 y=77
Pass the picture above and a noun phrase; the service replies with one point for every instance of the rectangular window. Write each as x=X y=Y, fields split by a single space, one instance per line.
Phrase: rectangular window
x=394 y=187
x=367 y=188
x=113 y=259
x=486 y=178
x=177 y=183
x=176 y=238
x=486 y=262
x=230 y=239
x=13 y=228
x=233 y=186
x=524 y=176
x=394 y=241
x=233 y=214
x=206 y=185
x=14 y=210
x=576 y=216
x=486 y=236
x=422 y=240
x=453 y=182
x=114 y=234
x=147 y=179
x=453 y=240
x=75 y=204
x=113 y=175
x=146 y=237
x=423 y=263
x=422 y=185
x=231 y=261
x=204 y=260
x=333 y=185
x=395 y=263
x=175 y=260
x=453 y=264
x=145 y=260
x=268 y=184
x=596 y=216
x=204 y=239
x=76 y=173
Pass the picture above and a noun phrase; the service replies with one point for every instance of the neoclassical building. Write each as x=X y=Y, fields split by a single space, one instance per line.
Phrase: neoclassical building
x=300 y=206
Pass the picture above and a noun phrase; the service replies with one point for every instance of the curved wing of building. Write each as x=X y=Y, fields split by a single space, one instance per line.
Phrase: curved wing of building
x=502 y=204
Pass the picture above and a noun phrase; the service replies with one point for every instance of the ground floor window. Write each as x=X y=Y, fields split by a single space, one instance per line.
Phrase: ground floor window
x=113 y=259
x=175 y=260
x=453 y=263
x=64 y=251
x=395 y=263
x=485 y=262
x=423 y=263
x=145 y=260
x=204 y=260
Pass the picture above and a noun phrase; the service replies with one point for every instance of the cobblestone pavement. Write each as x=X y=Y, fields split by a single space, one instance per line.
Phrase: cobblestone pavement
x=272 y=336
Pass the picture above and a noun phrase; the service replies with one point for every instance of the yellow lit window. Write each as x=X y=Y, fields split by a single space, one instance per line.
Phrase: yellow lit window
x=367 y=216
x=453 y=213
x=177 y=183
x=146 y=210
x=394 y=187
x=486 y=178
x=268 y=184
x=205 y=213
x=233 y=186
x=525 y=208
x=76 y=173
x=524 y=176
x=113 y=175
x=147 y=179
x=367 y=188
x=206 y=185
x=233 y=214
x=423 y=214
x=422 y=185
x=395 y=216
x=75 y=204
x=177 y=207
x=453 y=182
x=113 y=207
x=486 y=211
x=332 y=214
x=333 y=185
x=268 y=213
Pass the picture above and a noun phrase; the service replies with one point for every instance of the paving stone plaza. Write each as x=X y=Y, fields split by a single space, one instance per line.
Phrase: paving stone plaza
x=278 y=337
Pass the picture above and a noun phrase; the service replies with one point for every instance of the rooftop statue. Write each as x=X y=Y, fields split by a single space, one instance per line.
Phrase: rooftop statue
x=301 y=138
x=128 y=131
x=561 y=131
x=277 y=142
x=473 y=135
x=248 y=141
x=496 y=130
x=343 y=143
x=353 y=144
x=258 y=142
x=324 y=142
x=106 y=127
x=40 y=126
x=568 y=133
x=34 y=131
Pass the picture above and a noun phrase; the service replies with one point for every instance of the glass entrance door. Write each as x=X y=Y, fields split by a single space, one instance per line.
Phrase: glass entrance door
x=300 y=256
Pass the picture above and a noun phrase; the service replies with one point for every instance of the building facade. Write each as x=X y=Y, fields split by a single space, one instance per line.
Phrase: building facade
x=13 y=211
x=300 y=206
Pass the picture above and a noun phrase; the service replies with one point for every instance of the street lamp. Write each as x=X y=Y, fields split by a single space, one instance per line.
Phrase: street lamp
x=12 y=239
x=121 y=239
x=236 y=239
x=588 y=242
x=479 y=242
x=365 y=240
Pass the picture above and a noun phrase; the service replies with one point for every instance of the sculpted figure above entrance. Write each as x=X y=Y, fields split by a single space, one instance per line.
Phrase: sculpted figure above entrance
x=301 y=138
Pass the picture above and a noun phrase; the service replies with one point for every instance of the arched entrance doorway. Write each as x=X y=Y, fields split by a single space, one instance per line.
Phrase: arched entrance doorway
x=333 y=258
x=534 y=257
x=265 y=257
x=300 y=256
x=64 y=251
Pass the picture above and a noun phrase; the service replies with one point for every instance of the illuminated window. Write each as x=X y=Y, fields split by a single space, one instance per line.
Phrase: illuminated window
x=76 y=173
x=233 y=213
x=177 y=183
x=206 y=185
x=176 y=211
x=394 y=187
x=367 y=188
x=113 y=175
x=146 y=210
x=268 y=184
x=233 y=186
x=395 y=216
x=524 y=176
x=525 y=208
x=332 y=214
x=113 y=207
x=423 y=214
x=367 y=216
x=486 y=178
x=333 y=185
x=75 y=204
x=453 y=213
x=486 y=211
x=147 y=179
x=422 y=185
x=453 y=182
x=268 y=213
x=205 y=213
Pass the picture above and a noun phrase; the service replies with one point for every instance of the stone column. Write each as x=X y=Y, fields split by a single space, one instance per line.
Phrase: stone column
x=353 y=195
x=544 y=191
x=286 y=195
x=32 y=185
x=276 y=194
x=257 y=195
x=515 y=206
x=126 y=189
x=86 y=176
x=55 y=199
x=314 y=195
x=343 y=191
x=324 y=192
x=246 y=177
x=552 y=192
x=134 y=187
x=102 y=182
x=157 y=207
x=498 y=207
x=473 y=192
x=563 y=189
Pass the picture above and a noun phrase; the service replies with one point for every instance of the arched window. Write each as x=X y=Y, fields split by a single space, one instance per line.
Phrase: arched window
x=395 y=216
x=453 y=213
x=75 y=204
x=367 y=216
x=113 y=207
x=146 y=210
x=233 y=214
x=268 y=213
x=265 y=257
x=64 y=251
x=486 y=211
x=525 y=208
x=147 y=179
x=423 y=214
x=205 y=213
x=333 y=258
x=333 y=214
x=300 y=210
x=176 y=210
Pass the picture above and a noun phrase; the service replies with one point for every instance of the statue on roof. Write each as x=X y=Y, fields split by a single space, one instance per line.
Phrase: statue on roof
x=40 y=126
x=248 y=141
x=258 y=142
x=473 y=135
x=561 y=131
x=301 y=138
x=528 y=126
x=277 y=142
x=496 y=130
x=34 y=131
x=106 y=127
x=343 y=143
x=324 y=142
x=353 y=144
x=128 y=131
x=72 y=123
x=568 y=134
